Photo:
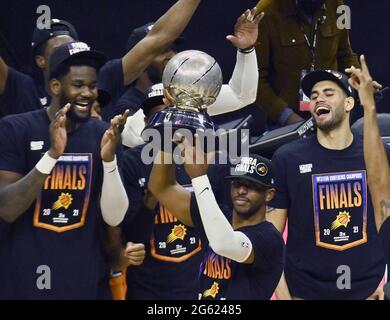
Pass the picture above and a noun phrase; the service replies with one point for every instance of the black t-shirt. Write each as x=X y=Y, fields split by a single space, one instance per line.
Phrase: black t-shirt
x=111 y=84
x=131 y=99
x=21 y=94
x=111 y=79
x=171 y=266
x=62 y=229
x=331 y=227
x=222 y=278
x=384 y=231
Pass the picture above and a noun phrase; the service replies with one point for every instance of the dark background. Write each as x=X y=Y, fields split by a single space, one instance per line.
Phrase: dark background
x=106 y=24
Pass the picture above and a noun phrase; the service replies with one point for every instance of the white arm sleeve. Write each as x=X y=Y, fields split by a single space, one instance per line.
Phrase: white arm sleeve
x=113 y=201
x=222 y=238
x=240 y=92
x=131 y=134
x=242 y=88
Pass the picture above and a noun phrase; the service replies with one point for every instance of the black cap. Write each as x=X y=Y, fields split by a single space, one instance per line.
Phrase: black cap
x=254 y=168
x=139 y=33
x=75 y=49
x=57 y=28
x=314 y=77
x=154 y=97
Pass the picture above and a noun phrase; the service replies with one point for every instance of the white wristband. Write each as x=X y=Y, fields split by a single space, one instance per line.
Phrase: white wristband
x=46 y=164
x=109 y=167
x=247 y=50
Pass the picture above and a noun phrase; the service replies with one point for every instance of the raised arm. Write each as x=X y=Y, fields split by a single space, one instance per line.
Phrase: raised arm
x=162 y=183
x=223 y=239
x=242 y=88
x=377 y=165
x=113 y=201
x=162 y=35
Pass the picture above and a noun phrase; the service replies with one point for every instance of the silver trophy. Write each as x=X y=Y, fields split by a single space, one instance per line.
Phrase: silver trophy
x=193 y=79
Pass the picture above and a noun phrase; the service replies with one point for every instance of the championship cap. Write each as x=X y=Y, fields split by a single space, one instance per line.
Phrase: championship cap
x=254 y=168
x=71 y=50
x=154 y=97
x=309 y=81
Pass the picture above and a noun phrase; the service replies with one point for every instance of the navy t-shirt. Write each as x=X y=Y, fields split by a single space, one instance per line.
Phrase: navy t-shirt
x=331 y=227
x=63 y=229
x=384 y=231
x=111 y=83
x=21 y=94
x=222 y=278
x=171 y=266
x=131 y=99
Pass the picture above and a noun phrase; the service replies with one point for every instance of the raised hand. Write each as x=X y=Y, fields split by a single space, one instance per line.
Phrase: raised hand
x=362 y=82
x=196 y=161
x=58 y=134
x=111 y=137
x=246 y=29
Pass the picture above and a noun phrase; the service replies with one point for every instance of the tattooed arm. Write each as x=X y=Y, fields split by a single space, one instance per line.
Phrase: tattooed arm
x=378 y=170
x=385 y=210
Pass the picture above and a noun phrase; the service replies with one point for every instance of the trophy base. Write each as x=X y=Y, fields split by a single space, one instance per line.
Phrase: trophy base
x=175 y=120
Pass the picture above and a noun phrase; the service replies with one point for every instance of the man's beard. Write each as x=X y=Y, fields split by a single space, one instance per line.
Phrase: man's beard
x=250 y=212
x=71 y=114
x=330 y=125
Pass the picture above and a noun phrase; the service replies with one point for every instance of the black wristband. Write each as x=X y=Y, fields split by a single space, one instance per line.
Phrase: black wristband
x=247 y=50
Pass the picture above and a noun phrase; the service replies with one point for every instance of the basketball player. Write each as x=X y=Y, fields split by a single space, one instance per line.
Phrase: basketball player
x=333 y=249
x=56 y=165
x=244 y=255
x=173 y=250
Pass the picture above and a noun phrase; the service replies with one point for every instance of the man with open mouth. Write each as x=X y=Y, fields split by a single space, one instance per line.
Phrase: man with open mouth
x=59 y=187
x=333 y=249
